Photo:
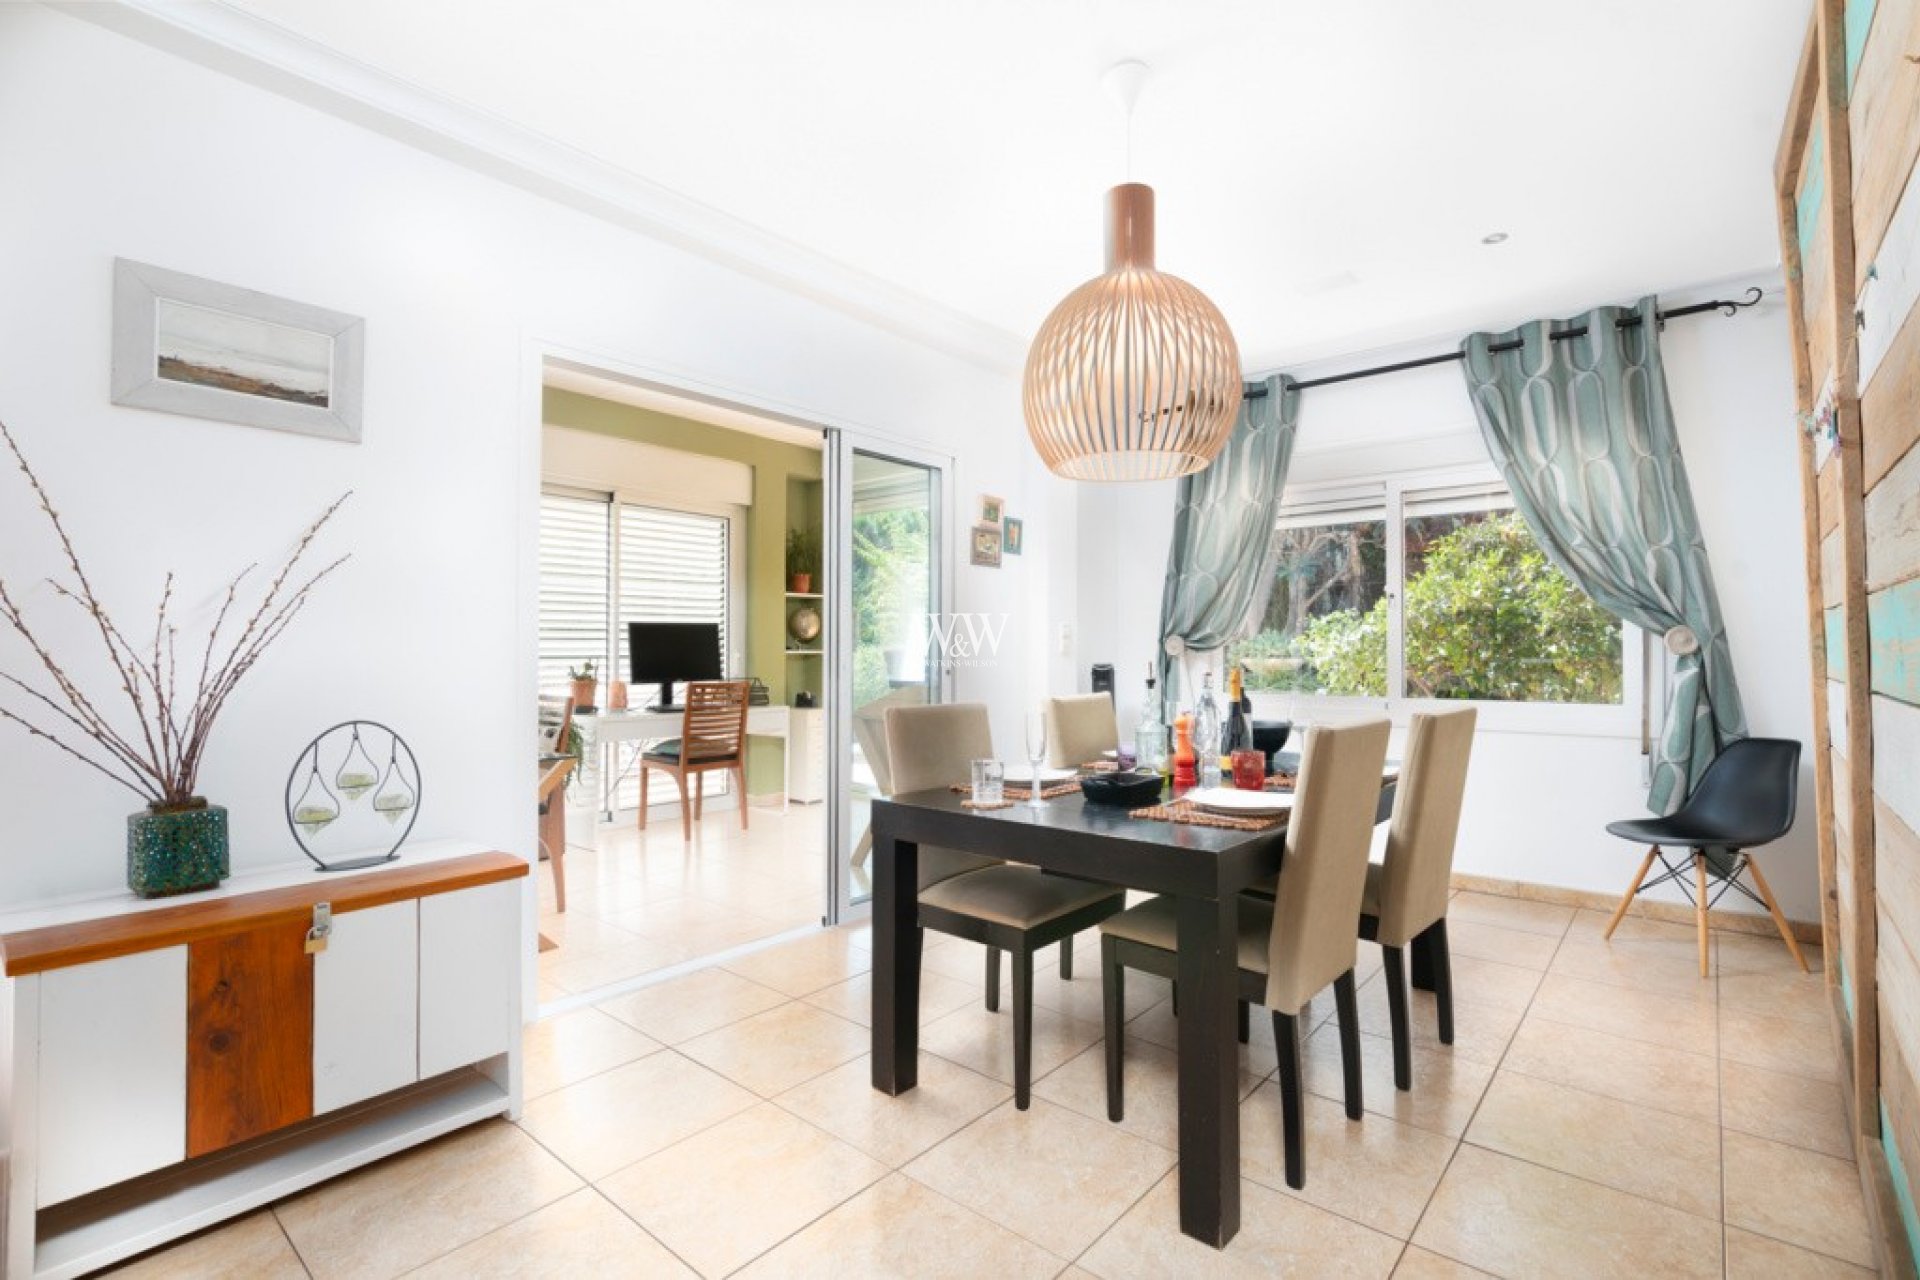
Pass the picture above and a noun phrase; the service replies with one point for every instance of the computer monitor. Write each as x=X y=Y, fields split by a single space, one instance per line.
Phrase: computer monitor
x=667 y=653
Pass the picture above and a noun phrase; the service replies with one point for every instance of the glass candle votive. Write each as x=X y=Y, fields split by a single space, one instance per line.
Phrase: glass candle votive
x=989 y=781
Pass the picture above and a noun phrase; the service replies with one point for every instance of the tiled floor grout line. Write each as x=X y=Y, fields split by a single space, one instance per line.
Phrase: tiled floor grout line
x=273 y=1211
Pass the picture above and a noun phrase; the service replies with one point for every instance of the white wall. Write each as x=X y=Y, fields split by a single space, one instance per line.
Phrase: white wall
x=1537 y=804
x=112 y=148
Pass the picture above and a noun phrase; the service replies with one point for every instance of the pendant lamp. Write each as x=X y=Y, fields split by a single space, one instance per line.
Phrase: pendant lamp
x=1135 y=375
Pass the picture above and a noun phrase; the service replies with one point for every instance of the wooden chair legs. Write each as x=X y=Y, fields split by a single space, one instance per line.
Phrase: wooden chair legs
x=1700 y=908
x=993 y=979
x=1246 y=1023
x=1347 y=1013
x=1646 y=865
x=686 y=810
x=1766 y=893
x=1286 y=1038
x=1066 y=959
x=1395 y=976
x=1441 y=957
x=1112 y=1002
x=740 y=781
x=1022 y=1029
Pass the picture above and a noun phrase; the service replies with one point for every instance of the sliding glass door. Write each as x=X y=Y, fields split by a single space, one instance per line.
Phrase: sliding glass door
x=887 y=541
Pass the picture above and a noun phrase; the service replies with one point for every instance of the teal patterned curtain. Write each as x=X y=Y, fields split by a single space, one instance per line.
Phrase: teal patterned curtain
x=1219 y=569
x=1582 y=430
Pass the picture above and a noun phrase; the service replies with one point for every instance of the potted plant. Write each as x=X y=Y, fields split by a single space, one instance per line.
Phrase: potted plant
x=803 y=560
x=179 y=842
x=586 y=684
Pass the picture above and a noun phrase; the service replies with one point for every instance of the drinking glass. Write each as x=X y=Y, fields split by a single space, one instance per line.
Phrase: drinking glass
x=1036 y=749
x=1249 y=769
x=989 y=779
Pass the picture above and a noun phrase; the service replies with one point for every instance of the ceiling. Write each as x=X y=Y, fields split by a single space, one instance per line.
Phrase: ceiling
x=1326 y=172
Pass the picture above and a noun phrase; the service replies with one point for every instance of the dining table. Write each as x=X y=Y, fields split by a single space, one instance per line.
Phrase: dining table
x=1203 y=869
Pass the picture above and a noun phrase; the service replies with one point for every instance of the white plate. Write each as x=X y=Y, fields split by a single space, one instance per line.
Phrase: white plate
x=1240 y=804
x=1022 y=775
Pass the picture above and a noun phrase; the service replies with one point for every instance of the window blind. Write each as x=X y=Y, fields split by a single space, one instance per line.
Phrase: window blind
x=673 y=568
x=575 y=556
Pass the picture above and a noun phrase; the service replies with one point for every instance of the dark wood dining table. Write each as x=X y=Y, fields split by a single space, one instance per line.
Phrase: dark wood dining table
x=1204 y=869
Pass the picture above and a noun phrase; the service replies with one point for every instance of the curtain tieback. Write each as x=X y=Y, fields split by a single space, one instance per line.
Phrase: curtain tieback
x=1681 y=641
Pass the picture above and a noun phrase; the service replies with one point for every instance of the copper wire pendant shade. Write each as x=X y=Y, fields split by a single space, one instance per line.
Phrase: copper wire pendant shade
x=1135 y=375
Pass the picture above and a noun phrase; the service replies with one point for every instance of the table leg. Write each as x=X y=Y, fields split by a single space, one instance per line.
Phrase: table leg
x=1209 y=1070
x=896 y=961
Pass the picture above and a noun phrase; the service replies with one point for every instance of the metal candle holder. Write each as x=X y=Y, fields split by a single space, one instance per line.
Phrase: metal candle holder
x=338 y=772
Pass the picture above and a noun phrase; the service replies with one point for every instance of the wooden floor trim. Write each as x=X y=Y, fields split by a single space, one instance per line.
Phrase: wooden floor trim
x=1643 y=907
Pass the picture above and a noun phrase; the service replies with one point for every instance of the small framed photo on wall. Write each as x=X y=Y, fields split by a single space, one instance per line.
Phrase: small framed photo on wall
x=986 y=545
x=1016 y=534
x=992 y=510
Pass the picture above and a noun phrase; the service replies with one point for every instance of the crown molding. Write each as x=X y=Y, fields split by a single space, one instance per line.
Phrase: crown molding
x=228 y=40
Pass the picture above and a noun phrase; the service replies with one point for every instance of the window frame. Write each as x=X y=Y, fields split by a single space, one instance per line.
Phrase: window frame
x=1387 y=494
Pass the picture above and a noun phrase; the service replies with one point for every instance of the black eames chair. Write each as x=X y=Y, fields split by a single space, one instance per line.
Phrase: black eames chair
x=1744 y=800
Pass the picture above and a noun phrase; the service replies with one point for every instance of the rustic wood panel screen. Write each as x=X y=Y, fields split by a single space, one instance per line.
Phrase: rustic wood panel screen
x=1849 y=209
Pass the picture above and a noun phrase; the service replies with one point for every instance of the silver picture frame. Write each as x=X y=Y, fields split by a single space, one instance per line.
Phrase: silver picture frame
x=187 y=345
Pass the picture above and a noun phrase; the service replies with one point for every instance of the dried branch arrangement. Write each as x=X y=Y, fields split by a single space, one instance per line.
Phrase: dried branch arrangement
x=161 y=761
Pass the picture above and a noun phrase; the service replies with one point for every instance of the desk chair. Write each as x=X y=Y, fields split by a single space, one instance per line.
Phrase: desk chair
x=556 y=721
x=713 y=739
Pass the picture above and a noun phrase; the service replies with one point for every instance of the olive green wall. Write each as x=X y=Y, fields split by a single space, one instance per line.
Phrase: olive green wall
x=774 y=465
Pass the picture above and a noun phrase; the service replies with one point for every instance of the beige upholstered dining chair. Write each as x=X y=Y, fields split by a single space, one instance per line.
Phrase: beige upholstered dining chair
x=1080 y=728
x=713 y=739
x=1008 y=908
x=1406 y=894
x=1291 y=948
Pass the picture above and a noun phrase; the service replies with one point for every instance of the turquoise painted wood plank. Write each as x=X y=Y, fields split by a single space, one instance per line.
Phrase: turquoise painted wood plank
x=1837 y=643
x=1902 y=1185
x=1857 y=21
x=1813 y=188
x=1893 y=631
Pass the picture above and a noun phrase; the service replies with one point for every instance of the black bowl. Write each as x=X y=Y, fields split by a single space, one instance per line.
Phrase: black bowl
x=1131 y=790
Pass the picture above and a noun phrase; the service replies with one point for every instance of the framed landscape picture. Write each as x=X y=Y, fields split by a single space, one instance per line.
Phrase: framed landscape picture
x=183 y=344
x=986 y=545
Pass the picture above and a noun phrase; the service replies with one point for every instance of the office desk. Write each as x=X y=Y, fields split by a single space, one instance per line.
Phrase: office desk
x=607 y=727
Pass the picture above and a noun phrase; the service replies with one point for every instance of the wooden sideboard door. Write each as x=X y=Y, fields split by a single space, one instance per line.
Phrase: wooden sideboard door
x=249 y=1035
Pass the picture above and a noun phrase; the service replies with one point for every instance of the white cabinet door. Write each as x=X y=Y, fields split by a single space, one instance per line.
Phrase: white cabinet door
x=113 y=1071
x=469 y=975
x=366 y=1000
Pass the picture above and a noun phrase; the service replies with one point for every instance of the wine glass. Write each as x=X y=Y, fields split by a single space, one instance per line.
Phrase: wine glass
x=1036 y=749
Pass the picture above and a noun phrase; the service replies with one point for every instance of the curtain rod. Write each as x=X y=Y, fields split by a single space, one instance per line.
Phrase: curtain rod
x=1255 y=390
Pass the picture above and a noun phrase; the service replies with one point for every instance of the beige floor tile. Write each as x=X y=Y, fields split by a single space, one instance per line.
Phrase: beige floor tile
x=582 y=1235
x=853 y=999
x=1786 y=1108
x=1796 y=995
x=681 y=1008
x=1257 y=1057
x=1520 y=947
x=1797 y=1196
x=1682 y=1022
x=1656 y=1154
x=610 y=1120
x=1279 y=1236
x=1489 y=982
x=1373 y=1171
x=1419 y=1264
x=1481 y=1030
x=568 y=1048
x=771 y=1052
x=898 y=1228
x=411 y=1208
x=983 y=1041
x=590 y=968
x=1763 y=955
x=728 y=1194
x=1644 y=954
x=1509 y=913
x=1048 y=1173
x=1650 y=1075
x=1082 y=998
x=894 y=1130
x=804 y=967
x=1152 y=1093
x=1776 y=1043
x=250 y=1248
x=1446 y=1086
x=1512 y=1218
x=736 y=930
x=1591 y=927
x=581 y=929
x=1752 y=1257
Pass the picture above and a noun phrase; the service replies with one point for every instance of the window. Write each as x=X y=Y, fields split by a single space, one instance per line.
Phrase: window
x=605 y=563
x=1429 y=591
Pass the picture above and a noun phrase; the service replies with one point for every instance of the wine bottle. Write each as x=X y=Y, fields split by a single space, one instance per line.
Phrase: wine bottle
x=1239 y=734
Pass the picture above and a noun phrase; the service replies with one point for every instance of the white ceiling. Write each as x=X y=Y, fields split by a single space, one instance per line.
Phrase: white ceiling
x=1325 y=170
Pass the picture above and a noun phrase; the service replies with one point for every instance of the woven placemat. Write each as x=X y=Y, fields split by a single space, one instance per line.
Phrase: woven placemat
x=1015 y=791
x=1183 y=811
x=1279 y=782
x=982 y=804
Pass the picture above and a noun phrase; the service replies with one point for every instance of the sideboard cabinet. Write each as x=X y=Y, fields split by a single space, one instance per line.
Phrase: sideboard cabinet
x=168 y=1065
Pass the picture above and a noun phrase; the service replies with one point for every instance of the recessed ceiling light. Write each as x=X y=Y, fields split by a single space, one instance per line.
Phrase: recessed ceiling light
x=1494 y=237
